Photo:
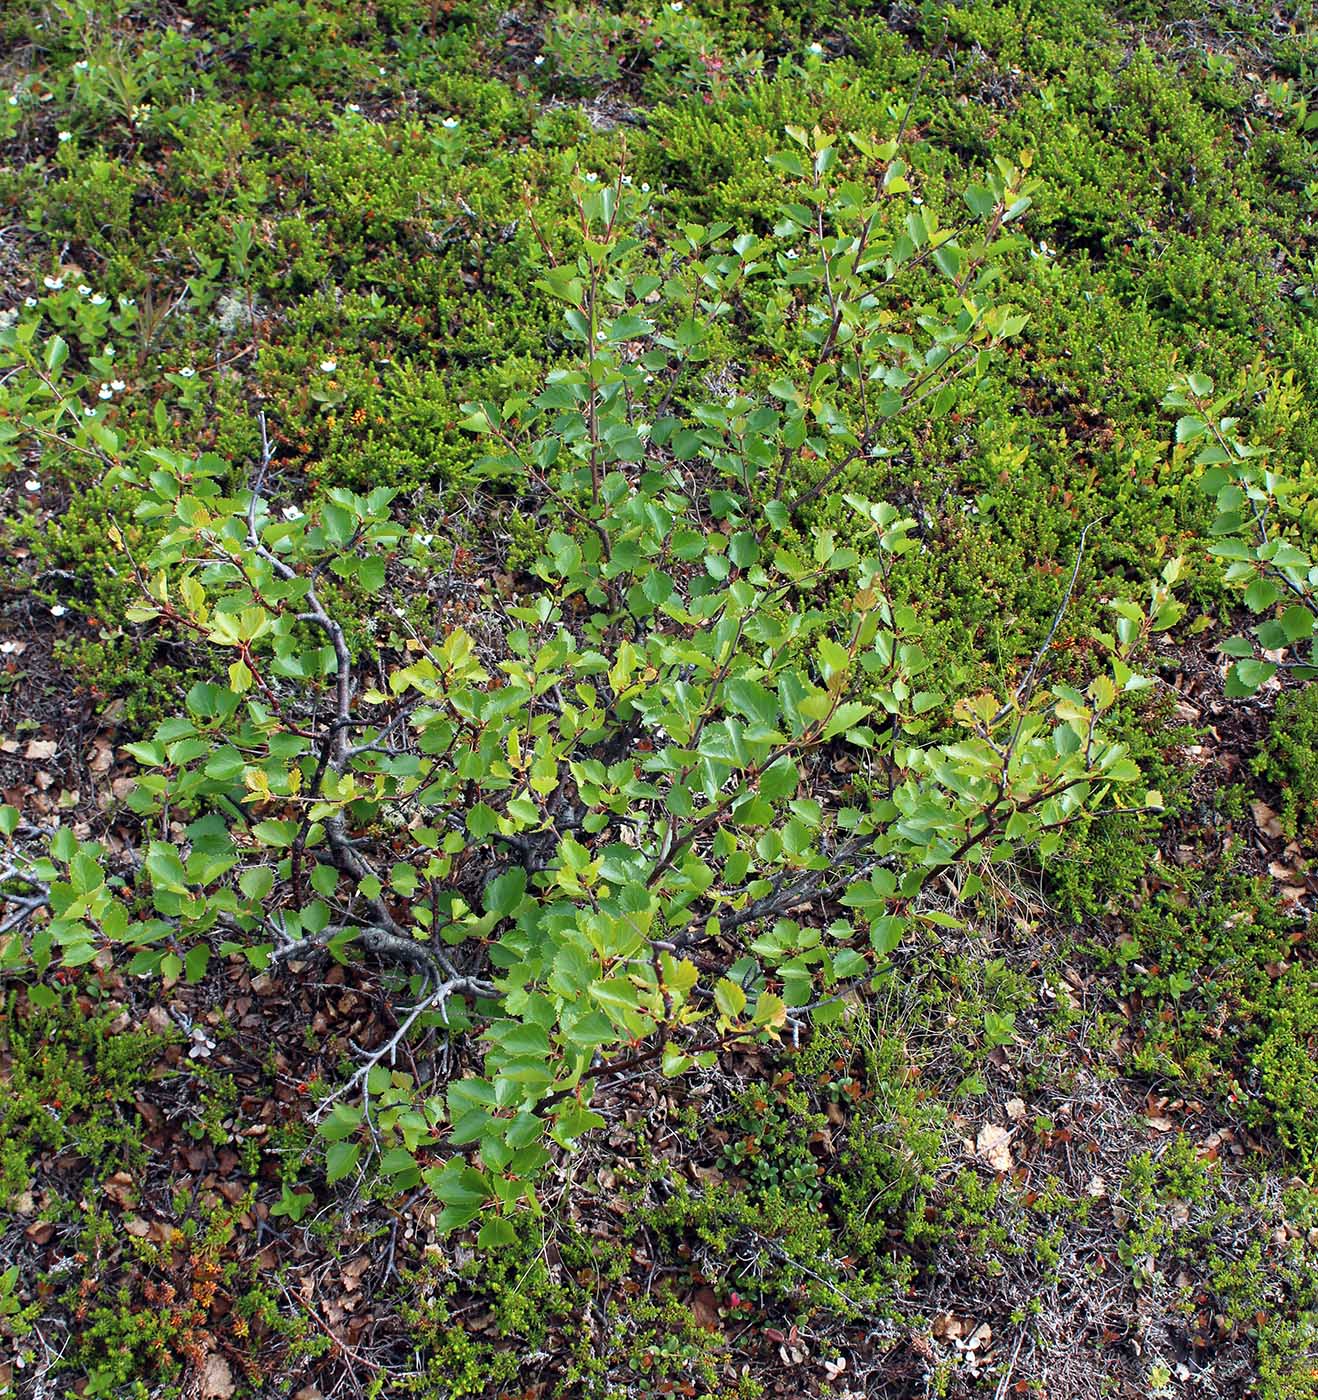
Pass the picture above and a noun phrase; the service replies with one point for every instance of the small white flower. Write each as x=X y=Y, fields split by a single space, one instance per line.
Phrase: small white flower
x=108 y=352
x=353 y=107
x=89 y=412
x=118 y=385
x=915 y=199
x=645 y=187
x=449 y=122
x=84 y=290
x=626 y=179
x=539 y=62
x=13 y=99
x=32 y=484
x=53 y=284
x=328 y=366
x=58 y=610
x=29 y=301
x=65 y=136
x=591 y=176
x=187 y=372
x=792 y=253
x=105 y=392
x=383 y=72
x=7 y=318
x=81 y=66
x=98 y=300
x=292 y=513
x=599 y=335
x=676 y=6
x=816 y=48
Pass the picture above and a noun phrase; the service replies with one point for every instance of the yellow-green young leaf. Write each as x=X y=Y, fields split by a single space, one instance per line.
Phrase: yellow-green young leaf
x=1102 y=692
x=729 y=998
x=834 y=660
x=224 y=630
x=192 y=593
x=770 y=1011
x=679 y=977
x=240 y=678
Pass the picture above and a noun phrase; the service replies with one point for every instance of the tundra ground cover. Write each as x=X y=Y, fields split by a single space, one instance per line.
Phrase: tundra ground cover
x=619 y=769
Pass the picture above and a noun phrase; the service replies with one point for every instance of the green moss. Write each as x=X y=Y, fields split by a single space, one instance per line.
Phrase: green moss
x=1289 y=761
x=70 y=1076
x=1286 y=1063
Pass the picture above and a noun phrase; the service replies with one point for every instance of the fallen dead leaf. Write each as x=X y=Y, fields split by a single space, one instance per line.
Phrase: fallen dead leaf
x=991 y=1144
x=1265 y=819
x=704 y=1306
x=216 y=1378
x=119 y=1188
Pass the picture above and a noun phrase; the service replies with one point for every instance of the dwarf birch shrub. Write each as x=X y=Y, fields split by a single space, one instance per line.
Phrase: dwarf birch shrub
x=694 y=791
x=1257 y=530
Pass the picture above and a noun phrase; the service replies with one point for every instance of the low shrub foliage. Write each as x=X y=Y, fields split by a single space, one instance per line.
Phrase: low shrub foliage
x=583 y=832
